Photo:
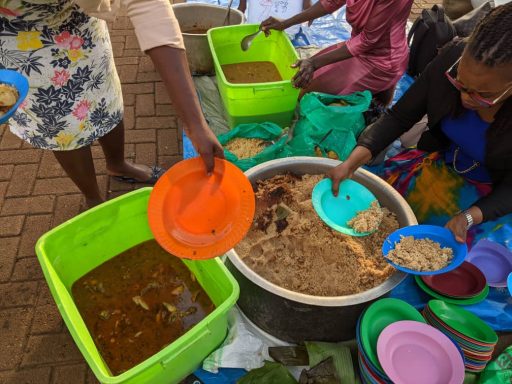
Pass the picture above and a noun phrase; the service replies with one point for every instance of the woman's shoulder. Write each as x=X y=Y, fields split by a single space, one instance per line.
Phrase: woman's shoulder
x=451 y=51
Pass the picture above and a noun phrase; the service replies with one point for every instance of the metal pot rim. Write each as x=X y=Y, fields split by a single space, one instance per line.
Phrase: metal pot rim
x=204 y=5
x=326 y=301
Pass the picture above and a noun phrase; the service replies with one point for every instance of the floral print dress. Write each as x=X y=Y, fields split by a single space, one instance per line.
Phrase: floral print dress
x=75 y=93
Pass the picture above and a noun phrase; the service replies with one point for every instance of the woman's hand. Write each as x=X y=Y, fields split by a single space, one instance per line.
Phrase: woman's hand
x=458 y=226
x=305 y=74
x=207 y=145
x=338 y=174
x=358 y=157
x=272 y=23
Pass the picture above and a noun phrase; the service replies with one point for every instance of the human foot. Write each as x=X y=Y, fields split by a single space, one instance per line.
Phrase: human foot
x=136 y=173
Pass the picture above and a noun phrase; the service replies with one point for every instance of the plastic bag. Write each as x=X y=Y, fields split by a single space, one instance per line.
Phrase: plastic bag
x=263 y=131
x=499 y=371
x=328 y=125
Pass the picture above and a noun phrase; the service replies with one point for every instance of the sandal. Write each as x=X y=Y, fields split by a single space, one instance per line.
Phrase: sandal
x=156 y=172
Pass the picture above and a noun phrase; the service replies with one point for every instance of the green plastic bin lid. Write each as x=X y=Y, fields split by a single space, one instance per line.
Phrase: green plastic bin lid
x=473 y=300
x=378 y=316
x=463 y=321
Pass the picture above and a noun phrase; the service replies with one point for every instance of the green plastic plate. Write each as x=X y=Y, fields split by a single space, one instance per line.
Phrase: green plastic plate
x=463 y=321
x=377 y=317
x=470 y=301
x=464 y=343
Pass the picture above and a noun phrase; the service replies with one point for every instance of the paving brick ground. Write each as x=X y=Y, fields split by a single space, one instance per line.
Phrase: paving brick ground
x=36 y=195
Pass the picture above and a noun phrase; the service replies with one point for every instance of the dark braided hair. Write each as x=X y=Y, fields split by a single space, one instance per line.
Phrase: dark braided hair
x=491 y=41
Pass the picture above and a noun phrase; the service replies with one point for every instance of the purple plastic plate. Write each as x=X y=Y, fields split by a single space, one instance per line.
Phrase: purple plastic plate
x=411 y=352
x=494 y=260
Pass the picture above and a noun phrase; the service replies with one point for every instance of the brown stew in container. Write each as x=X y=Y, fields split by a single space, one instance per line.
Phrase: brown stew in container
x=139 y=302
x=251 y=72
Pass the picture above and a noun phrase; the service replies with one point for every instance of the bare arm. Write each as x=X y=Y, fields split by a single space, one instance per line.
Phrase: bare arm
x=309 y=14
x=159 y=35
x=242 y=6
x=338 y=54
x=172 y=65
x=307 y=67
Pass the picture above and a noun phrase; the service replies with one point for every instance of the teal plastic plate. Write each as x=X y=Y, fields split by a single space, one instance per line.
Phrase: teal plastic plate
x=337 y=211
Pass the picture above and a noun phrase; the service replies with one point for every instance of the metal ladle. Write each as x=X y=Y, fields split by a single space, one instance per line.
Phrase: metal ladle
x=228 y=13
x=247 y=40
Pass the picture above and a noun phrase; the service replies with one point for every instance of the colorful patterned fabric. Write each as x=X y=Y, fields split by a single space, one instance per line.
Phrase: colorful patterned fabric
x=75 y=93
x=436 y=193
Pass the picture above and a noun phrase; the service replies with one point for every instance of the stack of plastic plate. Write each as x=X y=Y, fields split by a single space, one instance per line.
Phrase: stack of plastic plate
x=476 y=339
x=369 y=327
x=464 y=285
x=411 y=352
x=494 y=260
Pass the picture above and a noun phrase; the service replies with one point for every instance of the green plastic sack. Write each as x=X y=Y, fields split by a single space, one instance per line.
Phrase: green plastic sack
x=263 y=131
x=498 y=371
x=328 y=130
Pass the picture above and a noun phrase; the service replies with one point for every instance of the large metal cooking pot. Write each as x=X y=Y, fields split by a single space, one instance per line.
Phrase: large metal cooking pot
x=192 y=16
x=297 y=317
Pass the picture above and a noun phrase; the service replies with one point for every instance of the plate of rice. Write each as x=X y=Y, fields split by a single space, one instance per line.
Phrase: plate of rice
x=424 y=250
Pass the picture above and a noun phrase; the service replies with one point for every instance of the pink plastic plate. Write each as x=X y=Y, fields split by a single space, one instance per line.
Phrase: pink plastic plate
x=411 y=352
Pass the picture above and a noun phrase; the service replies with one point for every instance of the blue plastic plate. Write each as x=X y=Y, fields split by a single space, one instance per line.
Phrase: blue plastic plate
x=509 y=283
x=337 y=211
x=435 y=233
x=19 y=82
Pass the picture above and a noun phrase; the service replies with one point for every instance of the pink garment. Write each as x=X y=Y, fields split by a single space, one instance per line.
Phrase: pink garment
x=378 y=45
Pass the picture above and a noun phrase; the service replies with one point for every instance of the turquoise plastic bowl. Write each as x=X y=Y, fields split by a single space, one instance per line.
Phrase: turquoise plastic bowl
x=337 y=211
x=19 y=82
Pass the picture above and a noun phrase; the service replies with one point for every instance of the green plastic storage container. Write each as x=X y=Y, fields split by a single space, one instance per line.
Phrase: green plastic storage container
x=69 y=251
x=262 y=102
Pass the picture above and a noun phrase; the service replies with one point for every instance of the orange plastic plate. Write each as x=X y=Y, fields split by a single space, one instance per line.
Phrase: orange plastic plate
x=195 y=216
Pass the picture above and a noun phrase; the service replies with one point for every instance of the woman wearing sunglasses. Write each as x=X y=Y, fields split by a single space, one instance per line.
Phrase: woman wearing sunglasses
x=460 y=174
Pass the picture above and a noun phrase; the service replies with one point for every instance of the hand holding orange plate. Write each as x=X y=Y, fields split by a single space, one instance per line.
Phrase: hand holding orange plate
x=196 y=216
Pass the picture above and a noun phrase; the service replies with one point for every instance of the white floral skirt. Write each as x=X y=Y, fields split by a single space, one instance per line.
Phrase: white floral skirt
x=75 y=93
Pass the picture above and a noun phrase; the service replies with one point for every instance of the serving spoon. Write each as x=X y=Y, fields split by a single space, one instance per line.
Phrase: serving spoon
x=247 y=40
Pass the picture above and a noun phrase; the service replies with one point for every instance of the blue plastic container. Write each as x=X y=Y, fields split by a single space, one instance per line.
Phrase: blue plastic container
x=19 y=82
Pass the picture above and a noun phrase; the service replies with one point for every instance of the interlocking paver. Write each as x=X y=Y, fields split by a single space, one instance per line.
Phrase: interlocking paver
x=9 y=247
x=14 y=328
x=168 y=142
x=27 y=376
x=36 y=195
x=69 y=374
x=145 y=153
x=34 y=227
x=27 y=268
x=22 y=180
x=129 y=116
x=11 y=225
x=18 y=294
x=155 y=122
x=10 y=141
x=47 y=319
x=6 y=171
x=50 y=348
x=145 y=105
x=67 y=206
x=23 y=156
x=26 y=205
